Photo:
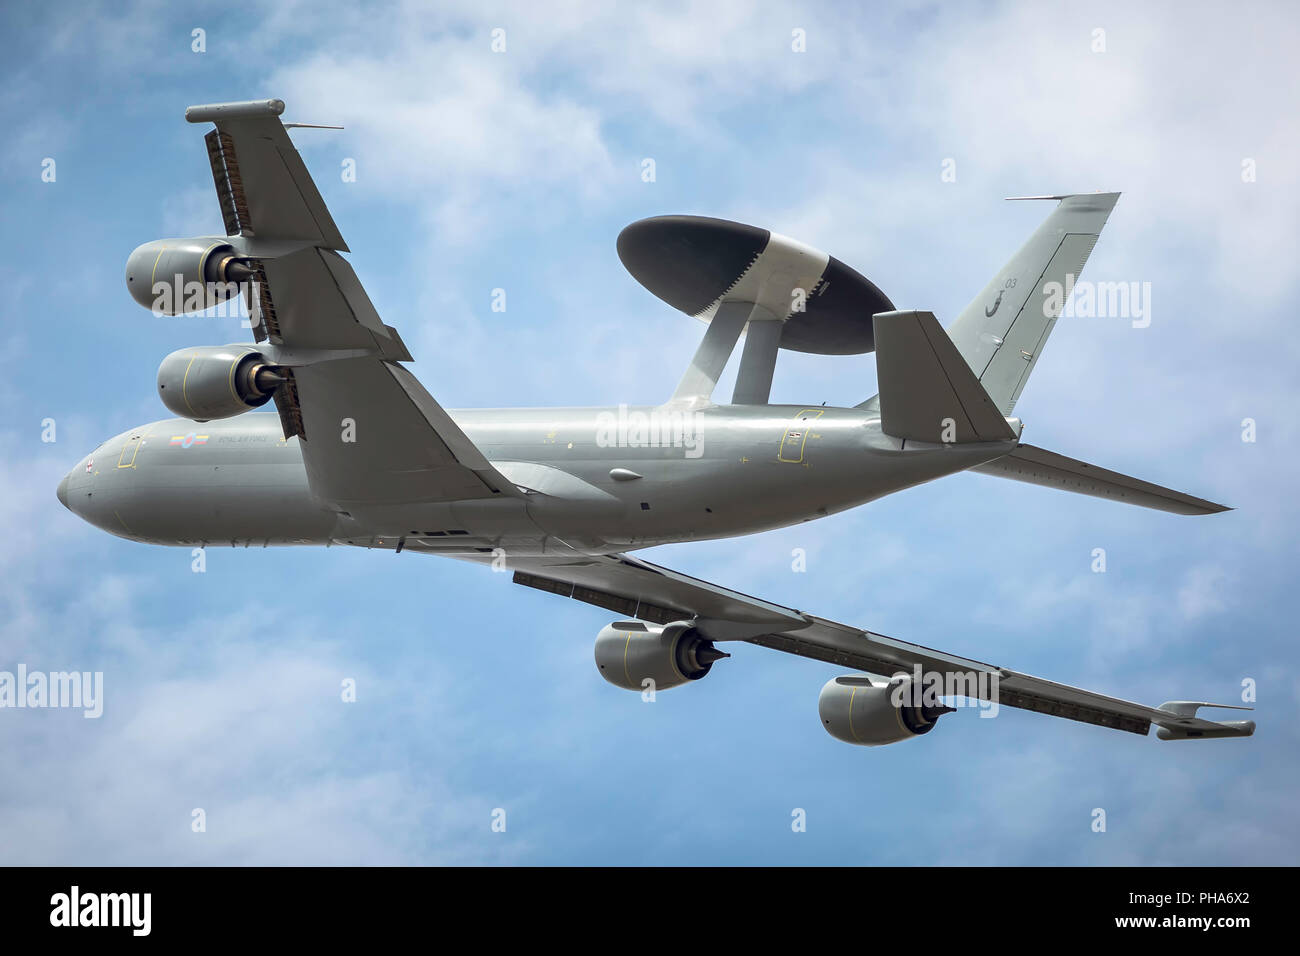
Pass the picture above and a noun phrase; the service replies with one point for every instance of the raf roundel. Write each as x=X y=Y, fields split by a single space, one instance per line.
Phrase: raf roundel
x=697 y=265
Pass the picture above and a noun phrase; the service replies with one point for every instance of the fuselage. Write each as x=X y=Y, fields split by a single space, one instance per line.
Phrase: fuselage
x=586 y=480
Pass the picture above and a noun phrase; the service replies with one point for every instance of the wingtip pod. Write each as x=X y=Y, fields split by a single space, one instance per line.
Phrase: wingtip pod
x=1185 y=725
x=211 y=112
x=1224 y=728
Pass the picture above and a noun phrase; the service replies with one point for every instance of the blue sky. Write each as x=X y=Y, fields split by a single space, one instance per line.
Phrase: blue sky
x=479 y=170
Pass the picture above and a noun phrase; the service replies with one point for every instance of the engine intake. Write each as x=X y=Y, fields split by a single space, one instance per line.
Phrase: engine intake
x=176 y=276
x=871 y=714
x=629 y=653
x=216 y=381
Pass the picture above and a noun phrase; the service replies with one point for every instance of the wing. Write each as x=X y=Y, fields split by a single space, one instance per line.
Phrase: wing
x=262 y=185
x=635 y=588
x=371 y=434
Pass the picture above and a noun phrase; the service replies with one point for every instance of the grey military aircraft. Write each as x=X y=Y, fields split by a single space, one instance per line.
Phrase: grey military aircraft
x=361 y=454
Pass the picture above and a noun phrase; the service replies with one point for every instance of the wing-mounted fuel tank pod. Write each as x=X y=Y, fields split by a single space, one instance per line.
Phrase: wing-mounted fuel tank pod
x=177 y=276
x=737 y=277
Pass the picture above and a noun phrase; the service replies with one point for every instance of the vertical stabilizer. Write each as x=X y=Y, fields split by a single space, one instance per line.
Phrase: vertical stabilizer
x=1003 y=331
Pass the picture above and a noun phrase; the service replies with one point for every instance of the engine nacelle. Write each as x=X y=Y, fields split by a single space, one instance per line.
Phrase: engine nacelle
x=628 y=653
x=216 y=381
x=860 y=711
x=175 y=276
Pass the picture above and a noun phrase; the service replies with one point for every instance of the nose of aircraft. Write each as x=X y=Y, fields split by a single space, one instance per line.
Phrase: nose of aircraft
x=63 y=491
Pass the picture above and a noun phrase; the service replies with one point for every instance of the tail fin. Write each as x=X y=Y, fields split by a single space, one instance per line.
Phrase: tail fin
x=1003 y=331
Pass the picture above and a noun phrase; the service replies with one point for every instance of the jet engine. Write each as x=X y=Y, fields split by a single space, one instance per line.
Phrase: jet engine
x=175 y=276
x=216 y=381
x=629 y=653
x=860 y=711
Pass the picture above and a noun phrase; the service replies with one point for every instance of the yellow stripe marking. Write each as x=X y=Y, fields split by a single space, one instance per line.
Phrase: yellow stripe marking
x=185 y=383
x=231 y=378
x=204 y=258
x=153 y=276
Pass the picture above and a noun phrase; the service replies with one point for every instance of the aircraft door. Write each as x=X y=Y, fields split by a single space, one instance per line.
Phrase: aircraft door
x=795 y=439
x=131 y=449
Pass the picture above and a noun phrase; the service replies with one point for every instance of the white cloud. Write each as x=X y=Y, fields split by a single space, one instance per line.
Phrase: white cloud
x=1204 y=593
x=462 y=139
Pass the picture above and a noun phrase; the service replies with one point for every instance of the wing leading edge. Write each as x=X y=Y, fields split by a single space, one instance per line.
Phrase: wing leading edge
x=635 y=588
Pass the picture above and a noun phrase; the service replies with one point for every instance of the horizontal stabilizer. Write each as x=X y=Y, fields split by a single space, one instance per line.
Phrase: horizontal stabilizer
x=927 y=390
x=1041 y=467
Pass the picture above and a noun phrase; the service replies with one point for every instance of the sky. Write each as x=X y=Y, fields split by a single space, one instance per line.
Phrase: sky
x=888 y=140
